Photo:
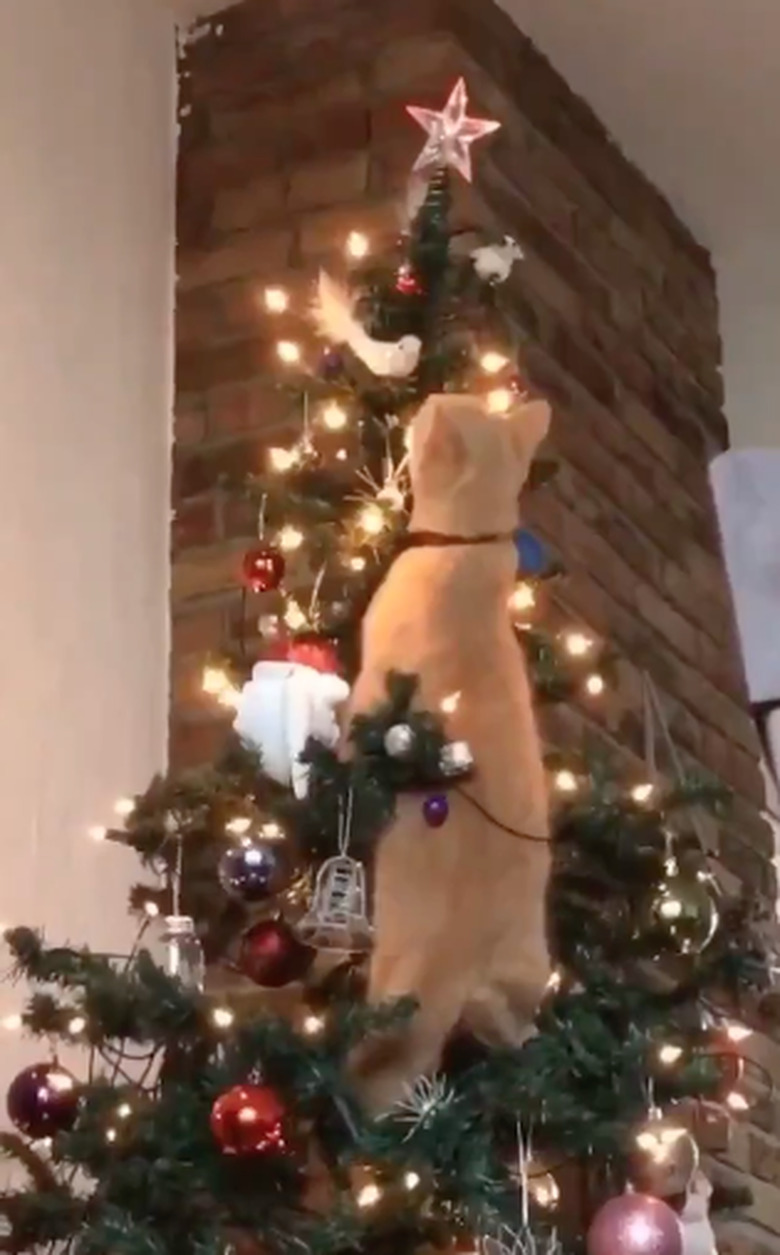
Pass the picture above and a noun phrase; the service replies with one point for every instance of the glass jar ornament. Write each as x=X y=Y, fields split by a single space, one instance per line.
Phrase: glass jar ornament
x=184 y=959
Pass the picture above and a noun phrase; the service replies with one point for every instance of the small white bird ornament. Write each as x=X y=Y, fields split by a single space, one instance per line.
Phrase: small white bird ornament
x=493 y=262
x=698 y=1237
x=335 y=318
x=282 y=705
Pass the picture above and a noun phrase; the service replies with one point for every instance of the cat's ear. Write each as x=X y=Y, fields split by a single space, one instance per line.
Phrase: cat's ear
x=530 y=424
x=437 y=441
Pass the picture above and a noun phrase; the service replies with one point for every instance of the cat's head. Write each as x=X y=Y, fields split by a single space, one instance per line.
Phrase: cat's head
x=468 y=465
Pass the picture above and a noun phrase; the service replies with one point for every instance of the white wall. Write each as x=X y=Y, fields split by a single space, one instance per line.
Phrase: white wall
x=86 y=264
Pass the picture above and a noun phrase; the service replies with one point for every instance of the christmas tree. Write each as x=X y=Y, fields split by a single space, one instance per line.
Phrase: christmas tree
x=226 y=1101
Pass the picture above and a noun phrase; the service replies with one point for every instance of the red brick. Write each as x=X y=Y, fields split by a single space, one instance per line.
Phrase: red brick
x=252 y=205
x=332 y=181
x=193 y=525
x=194 y=744
x=198 y=631
x=249 y=255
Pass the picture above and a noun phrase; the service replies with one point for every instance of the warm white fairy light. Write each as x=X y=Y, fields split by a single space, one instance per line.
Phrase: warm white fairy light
x=313 y=1025
x=12 y=1023
x=566 y=781
x=412 y=1180
x=151 y=909
x=492 y=362
x=334 y=416
x=289 y=352
x=357 y=245
x=294 y=616
x=272 y=831
x=594 y=685
x=357 y=563
x=554 y=982
x=239 y=826
x=124 y=1111
x=98 y=832
x=499 y=400
x=577 y=644
x=738 y=1032
x=276 y=300
x=341 y=455
x=372 y=520
x=450 y=703
x=545 y=1190
x=290 y=538
x=522 y=598
x=368 y=1195
x=217 y=684
x=669 y=1054
x=76 y=1025
x=111 y=1135
x=222 y=1017
x=643 y=792
x=737 y=1102
x=281 y=460
x=124 y=807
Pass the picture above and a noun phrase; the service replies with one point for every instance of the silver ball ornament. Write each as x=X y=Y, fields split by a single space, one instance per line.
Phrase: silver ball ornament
x=399 y=740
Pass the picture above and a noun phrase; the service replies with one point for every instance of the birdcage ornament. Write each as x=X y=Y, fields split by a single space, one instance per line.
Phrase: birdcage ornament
x=337 y=918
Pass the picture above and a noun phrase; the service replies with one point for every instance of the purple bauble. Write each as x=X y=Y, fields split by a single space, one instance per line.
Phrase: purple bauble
x=254 y=871
x=635 y=1224
x=43 y=1100
x=331 y=364
x=436 y=808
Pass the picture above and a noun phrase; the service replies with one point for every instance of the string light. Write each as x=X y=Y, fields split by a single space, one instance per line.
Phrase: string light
x=334 y=417
x=522 y=598
x=288 y=352
x=412 y=1180
x=357 y=563
x=357 y=245
x=290 y=539
x=216 y=683
x=313 y=1025
x=276 y=300
x=124 y=1111
x=578 y=644
x=281 y=460
x=77 y=1025
x=554 y=982
x=294 y=616
x=151 y=909
x=545 y=1190
x=643 y=792
x=341 y=455
x=368 y=1195
x=97 y=832
x=499 y=400
x=492 y=362
x=12 y=1023
x=222 y=1017
x=124 y=807
x=272 y=831
x=239 y=826
x=738 y=1032
x=737 y=1102
x=669 y=1054
x=566 y=781
x=372 y=520
x=594 y=685
x=450 y=703
x=111 y=1135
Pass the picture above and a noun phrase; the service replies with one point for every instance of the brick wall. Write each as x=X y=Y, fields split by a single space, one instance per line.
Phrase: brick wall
x=292 y=133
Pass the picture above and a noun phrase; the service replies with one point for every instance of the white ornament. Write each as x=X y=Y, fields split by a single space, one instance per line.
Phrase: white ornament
x=280 y=708
x=698 y=1237
x=494 y=262
x=337 y=918
x=456 y=758
x=399 y=740
x=336 y=322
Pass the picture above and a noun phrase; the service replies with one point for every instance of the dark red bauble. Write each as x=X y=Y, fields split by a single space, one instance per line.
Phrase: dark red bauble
x=249 y=1120
x=43 y=1100
x=407 y=283
x=263 y=569
x=272 y=956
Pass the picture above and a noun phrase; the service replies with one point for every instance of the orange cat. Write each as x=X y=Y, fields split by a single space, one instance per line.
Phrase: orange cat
x=460 y=909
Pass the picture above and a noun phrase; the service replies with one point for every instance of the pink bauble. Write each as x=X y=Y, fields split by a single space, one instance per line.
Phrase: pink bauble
x=635 y=1224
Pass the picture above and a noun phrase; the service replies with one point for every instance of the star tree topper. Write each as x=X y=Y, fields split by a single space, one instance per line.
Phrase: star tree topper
x=450 y=133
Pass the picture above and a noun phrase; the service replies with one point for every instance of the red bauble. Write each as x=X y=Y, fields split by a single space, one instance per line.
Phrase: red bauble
x=272 y=956
x=249 y=1120
x=43 y=1100
x=263 y=569
x=407 y=283
x=316 y=652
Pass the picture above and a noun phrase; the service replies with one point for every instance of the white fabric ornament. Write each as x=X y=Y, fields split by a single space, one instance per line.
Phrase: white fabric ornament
x=280 y=708
x=494 y=262
x=698 y=1237
x=336 y=322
